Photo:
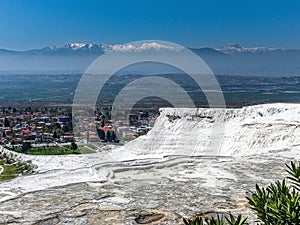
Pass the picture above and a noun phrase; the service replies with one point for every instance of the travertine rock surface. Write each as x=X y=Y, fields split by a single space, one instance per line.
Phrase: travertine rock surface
x=140 y=184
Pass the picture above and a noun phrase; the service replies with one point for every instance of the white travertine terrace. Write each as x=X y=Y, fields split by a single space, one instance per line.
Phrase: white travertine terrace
x=158 y=173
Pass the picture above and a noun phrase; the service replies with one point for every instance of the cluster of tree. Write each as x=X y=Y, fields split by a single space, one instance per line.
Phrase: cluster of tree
x=74 y=146
x=108 y=136
x=25 y=147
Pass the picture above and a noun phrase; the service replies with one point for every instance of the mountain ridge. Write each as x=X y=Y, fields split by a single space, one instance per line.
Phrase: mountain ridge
x=103 y=47
x=232 y=59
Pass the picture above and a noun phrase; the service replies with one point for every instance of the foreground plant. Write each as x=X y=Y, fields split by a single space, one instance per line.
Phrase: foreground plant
x=278 y=204
x=229 y=220
x=294 y=172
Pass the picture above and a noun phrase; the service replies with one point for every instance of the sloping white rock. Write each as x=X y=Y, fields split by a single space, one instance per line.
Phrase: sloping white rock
x=236 y=132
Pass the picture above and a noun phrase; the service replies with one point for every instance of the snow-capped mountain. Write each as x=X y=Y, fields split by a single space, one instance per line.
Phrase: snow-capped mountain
x=70 y=48
x=227 y=49
x=73 y=46
x=236 y=48
x=94 y=48
x=115 y=47
x=102 y=48
x=231 y=59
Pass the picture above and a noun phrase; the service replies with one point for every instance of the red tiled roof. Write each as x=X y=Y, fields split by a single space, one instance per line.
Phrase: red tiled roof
x=68 y=137
x=105 y=128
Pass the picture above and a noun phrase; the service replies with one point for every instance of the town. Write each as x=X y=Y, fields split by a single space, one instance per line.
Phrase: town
x=47 y=127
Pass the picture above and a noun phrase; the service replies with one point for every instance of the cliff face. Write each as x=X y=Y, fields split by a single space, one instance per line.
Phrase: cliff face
x=229 y=132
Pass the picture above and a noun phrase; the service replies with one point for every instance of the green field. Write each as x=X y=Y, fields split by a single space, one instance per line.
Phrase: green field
x=56 y=150
x=12 y=170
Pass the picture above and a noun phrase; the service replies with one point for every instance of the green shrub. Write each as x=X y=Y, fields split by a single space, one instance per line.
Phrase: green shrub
x=278 y=204
x=226 y=220
x=294 y=172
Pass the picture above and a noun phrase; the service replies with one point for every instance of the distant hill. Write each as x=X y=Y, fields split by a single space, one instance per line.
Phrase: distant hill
x=231 y=59
x=260 y=61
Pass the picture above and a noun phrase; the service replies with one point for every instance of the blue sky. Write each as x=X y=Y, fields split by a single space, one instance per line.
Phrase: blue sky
x=26 y=24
